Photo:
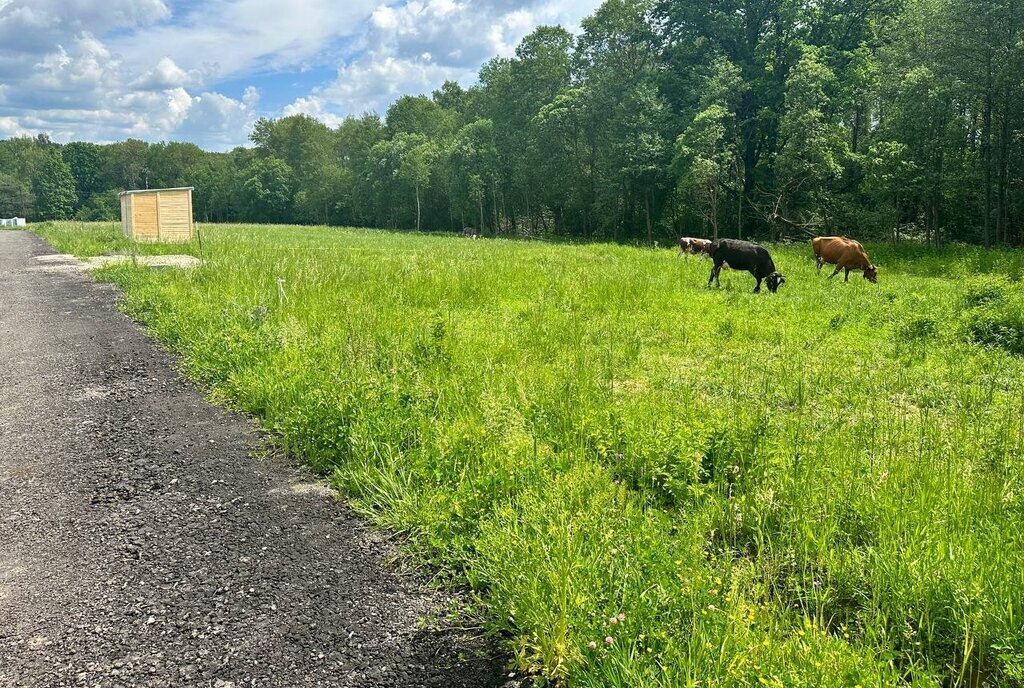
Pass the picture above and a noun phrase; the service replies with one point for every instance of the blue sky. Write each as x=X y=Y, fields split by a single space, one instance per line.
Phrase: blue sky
x=204 y=70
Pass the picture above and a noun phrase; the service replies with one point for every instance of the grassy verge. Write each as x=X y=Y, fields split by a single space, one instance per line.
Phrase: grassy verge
x=85 y=240
x=646 y=482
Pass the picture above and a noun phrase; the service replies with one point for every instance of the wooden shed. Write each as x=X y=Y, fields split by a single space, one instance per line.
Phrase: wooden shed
x=157 y=214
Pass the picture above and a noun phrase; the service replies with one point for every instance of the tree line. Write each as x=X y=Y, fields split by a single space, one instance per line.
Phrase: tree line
x=882 y=119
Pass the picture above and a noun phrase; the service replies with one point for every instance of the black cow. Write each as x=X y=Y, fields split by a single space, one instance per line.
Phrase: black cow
x=743 y=255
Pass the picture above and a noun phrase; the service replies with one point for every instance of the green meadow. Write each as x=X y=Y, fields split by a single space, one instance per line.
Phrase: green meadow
x=640 y=480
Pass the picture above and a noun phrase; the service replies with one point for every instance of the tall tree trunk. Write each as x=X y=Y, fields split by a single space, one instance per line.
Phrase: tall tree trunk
x=417 y=207
x=1002 y=212
x=986 y=153
x=739 y=213
x=714 y=213
x=647 y=215
x=494 y=201
x=855 y=134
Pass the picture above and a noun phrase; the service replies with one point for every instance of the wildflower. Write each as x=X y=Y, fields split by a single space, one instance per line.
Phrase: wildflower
x=614 y=620
x=817 y=583
x=592 y=645
x=608 y=640
x=621 y=617
x=618 y=456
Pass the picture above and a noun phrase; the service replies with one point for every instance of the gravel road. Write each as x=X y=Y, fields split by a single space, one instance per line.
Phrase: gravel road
x=148 y=538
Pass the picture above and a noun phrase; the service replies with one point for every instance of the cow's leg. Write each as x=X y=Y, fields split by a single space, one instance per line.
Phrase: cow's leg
x=757 y=289
x=821 y=262
x=847 y=278
x=838 y=268
x=716 y=269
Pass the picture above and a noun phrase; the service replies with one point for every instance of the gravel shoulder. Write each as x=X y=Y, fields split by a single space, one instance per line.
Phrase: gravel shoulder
x=149 y=538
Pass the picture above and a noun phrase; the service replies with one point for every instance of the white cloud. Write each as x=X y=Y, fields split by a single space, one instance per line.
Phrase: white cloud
x=314 y=107
x=63 y=78
x=251 y=97
x=10 y=126
x=218 y=119
x=376 y=80
x=84 y=67
x=167 y=74
x=413 y=47
x=223 y=38
x=106 y=69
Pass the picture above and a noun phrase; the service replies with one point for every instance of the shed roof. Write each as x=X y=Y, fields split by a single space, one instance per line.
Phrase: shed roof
x=144 y=191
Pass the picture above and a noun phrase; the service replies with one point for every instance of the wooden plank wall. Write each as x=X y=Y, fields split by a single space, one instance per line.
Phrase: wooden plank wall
x=175 y=215
x=145 y=220
x=157 y=216
x=126 y=215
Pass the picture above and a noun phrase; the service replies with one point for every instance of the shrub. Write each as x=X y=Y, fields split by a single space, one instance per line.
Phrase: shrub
x=984 y=290
x=999 y=325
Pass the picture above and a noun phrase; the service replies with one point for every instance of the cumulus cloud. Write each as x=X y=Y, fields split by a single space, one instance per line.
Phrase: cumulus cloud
x=62 y=77
x=218 y=119
x=34 y=26
x=10 y=126
x=376 y=80
x=106 y=69
x=314 y=106
x=167 y=74
x=413 y=47
x=226 y=37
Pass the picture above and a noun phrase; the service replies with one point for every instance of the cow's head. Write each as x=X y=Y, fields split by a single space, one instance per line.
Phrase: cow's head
x=774 y=281
x=871 y=274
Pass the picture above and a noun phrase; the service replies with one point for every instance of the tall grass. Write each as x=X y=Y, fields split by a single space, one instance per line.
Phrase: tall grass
x=646 y=482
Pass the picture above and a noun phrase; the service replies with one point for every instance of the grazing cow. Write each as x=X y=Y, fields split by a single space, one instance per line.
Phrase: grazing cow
x=691 y=246
x=470 y=233
x=846 y=254
x=743 y=255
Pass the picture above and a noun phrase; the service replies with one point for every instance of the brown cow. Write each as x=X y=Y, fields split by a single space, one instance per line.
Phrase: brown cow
x=691 y=246
x=846 y=254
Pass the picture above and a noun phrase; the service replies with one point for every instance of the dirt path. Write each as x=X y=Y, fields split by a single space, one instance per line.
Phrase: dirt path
x=142 y=543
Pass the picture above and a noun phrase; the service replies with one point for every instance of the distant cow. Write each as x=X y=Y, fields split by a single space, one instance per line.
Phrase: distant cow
x=691 y=246
x=846 y=254
x=743 y=255
x=470 y=233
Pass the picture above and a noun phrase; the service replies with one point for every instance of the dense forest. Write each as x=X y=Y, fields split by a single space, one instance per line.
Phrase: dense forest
x=772 y=118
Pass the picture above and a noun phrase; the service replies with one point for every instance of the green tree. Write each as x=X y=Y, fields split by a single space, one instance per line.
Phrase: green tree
x=127 y=165
x=706 y=161
x=55 y=188
x=103 y=206
x=267 y=190
x=474 y=159
x=16 y=198
x=813 y=149
x=86 y=161
x=417 y=157
x=891 y=177
x=419 y=115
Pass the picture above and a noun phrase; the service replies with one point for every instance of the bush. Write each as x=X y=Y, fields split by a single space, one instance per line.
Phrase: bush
x=984 y=290
x=101 y=207
x=998 y=325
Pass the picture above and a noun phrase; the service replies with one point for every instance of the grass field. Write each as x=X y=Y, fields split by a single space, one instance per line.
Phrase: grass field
x=646 y=482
